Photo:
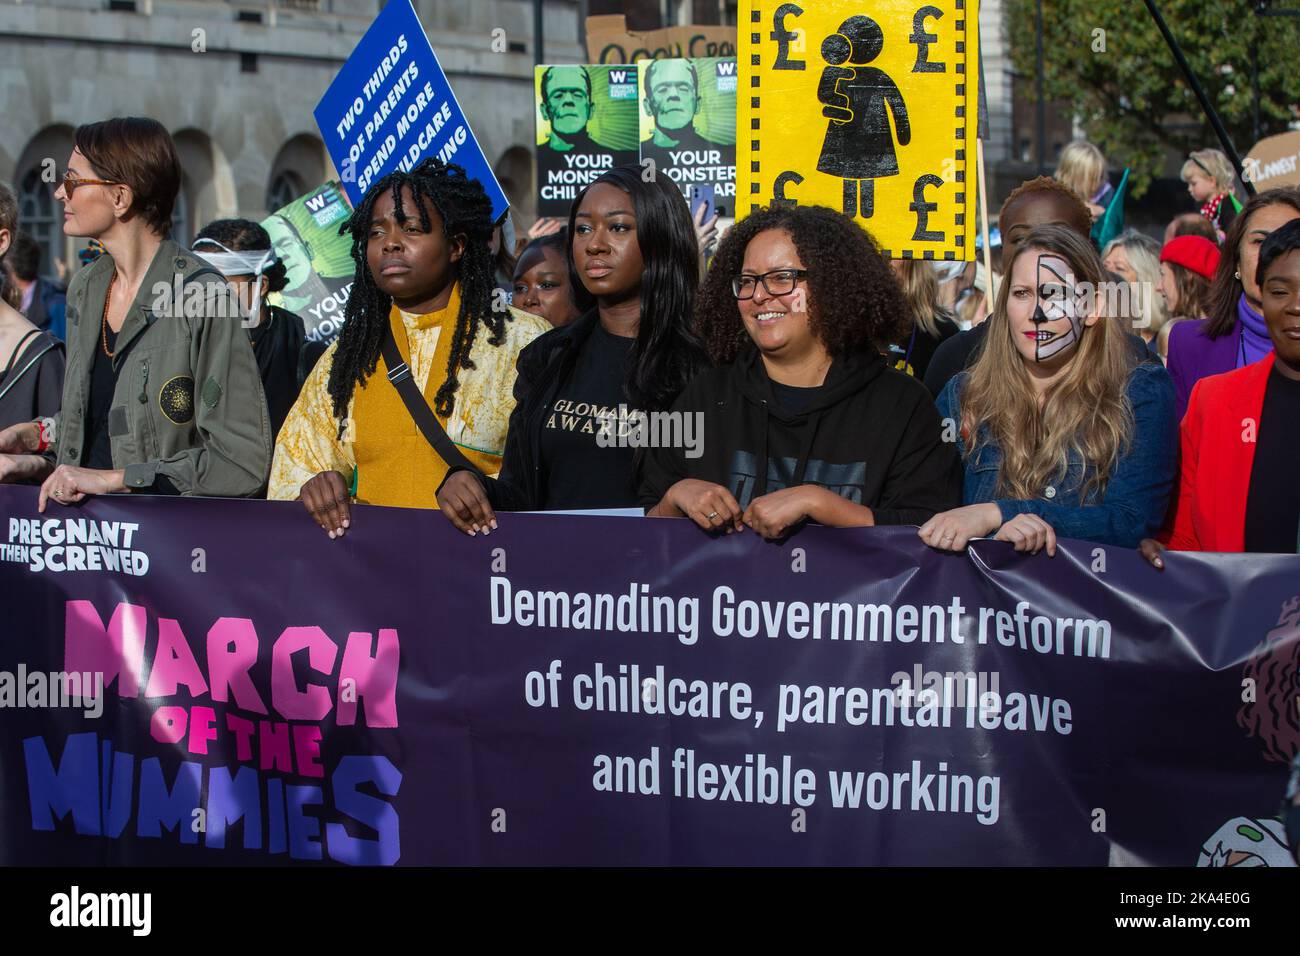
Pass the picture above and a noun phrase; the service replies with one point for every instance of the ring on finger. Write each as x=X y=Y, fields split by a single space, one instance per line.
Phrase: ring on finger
x=712 y=515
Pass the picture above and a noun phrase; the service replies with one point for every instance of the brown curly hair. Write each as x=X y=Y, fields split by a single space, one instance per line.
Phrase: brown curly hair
x=854 y=304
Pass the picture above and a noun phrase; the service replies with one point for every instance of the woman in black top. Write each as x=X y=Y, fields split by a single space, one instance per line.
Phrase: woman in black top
x=803 y=418
x=573 y=432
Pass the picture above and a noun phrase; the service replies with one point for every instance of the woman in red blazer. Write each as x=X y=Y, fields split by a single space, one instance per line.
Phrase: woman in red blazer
x=1241 y=434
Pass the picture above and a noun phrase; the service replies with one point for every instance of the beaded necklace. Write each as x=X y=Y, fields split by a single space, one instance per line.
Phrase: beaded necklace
x=103 y=326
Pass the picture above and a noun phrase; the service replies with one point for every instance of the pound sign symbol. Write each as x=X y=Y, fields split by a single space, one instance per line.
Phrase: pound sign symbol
x=785 y=37
x=922 y=208
x=923 y=41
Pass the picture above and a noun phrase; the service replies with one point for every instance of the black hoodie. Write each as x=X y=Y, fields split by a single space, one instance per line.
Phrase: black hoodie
x=872 y=435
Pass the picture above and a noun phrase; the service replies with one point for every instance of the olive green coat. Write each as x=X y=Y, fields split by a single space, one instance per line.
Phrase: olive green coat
x=188 y=403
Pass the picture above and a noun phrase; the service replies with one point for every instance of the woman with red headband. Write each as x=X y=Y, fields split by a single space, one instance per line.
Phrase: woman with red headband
x=1187 y=265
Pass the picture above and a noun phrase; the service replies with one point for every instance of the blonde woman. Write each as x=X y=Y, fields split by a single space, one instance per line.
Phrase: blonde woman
x=1209 y=177
x=928 y=323
x=1064 y=428
x=1136 y=258
x=1082 y=168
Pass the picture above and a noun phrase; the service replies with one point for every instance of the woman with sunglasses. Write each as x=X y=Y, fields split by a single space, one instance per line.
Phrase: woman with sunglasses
x=803 y=419
x=162 y=392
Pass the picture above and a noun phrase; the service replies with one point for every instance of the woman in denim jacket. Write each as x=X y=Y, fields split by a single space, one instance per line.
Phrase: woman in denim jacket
x=1063 y=428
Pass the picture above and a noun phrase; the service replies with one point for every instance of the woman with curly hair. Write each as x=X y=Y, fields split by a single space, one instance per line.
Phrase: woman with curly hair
x=635 y=255
x=424 y=284
x=1064 y=427
x=803 y=419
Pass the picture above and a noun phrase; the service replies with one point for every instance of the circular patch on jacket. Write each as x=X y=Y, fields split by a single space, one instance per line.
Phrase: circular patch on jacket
x=176 y=399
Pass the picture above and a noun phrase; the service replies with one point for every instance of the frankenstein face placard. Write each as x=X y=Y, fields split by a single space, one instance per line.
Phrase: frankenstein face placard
x=586 y=124
x=688 y=124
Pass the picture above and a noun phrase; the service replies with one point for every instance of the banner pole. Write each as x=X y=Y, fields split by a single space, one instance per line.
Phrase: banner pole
x=1219 y=129
x=984 y=229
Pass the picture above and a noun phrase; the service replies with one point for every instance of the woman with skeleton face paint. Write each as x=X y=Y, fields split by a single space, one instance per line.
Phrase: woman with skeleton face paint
x=1063 y=429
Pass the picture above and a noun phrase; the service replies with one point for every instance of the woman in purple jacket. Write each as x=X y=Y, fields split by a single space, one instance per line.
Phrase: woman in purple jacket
x=1233 y=334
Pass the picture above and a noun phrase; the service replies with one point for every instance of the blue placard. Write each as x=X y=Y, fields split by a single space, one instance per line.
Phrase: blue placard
x=391 y=105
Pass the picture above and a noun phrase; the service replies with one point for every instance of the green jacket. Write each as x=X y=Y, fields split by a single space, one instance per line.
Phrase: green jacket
x=188 y=403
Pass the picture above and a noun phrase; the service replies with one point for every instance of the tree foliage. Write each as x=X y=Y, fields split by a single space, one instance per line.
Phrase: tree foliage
x=1109 y=61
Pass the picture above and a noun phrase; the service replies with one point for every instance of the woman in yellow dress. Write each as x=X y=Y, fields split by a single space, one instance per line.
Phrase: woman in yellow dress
x=424 y=274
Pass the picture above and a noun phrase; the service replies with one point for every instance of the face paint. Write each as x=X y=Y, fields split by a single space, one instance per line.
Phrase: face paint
x=1058 y=299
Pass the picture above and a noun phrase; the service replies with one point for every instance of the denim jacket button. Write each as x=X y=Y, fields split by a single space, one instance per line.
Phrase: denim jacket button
x=1050 y=492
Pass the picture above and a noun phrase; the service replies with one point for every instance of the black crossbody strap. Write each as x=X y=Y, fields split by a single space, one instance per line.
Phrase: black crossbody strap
x=13 y=356
x=399 y=373
x=31 y=363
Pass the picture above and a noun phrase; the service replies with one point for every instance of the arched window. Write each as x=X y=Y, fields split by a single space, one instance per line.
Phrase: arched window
x=285 y=188
x=37 y=217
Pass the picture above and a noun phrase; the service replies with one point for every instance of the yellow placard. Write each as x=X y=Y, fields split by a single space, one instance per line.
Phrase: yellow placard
x=869 y=109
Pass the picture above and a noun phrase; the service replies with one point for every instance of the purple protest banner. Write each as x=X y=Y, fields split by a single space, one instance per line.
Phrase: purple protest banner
x=600 y=690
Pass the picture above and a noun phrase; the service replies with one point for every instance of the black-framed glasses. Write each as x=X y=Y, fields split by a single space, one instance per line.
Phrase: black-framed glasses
x=776 y=282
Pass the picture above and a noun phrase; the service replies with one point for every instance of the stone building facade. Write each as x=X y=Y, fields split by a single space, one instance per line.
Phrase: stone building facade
x=236 y=83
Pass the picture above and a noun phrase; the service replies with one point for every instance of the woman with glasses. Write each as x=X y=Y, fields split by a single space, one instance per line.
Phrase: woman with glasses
x=803 y=419
x=584 y=389
x=162 y=392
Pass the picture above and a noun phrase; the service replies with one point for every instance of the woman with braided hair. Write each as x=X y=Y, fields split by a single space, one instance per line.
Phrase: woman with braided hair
x=425 y=276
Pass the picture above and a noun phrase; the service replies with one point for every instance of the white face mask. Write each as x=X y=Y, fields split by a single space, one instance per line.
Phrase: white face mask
x=1058 y=298
x=230 y=263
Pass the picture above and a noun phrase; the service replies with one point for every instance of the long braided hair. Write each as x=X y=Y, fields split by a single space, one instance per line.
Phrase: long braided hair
x=465 y=210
